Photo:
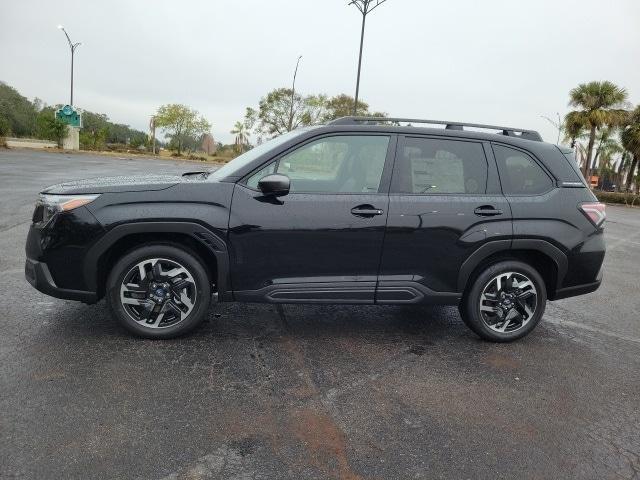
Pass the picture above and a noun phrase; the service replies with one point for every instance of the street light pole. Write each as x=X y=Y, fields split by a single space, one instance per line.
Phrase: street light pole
x=293 y=92
x=73 y=47
x=365 y=7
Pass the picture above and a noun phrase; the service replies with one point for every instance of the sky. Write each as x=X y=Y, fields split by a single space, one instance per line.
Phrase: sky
x=505 y=62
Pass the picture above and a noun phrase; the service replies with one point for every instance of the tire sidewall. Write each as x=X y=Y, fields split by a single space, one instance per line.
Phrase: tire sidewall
x=187 y=259
x=471 y=310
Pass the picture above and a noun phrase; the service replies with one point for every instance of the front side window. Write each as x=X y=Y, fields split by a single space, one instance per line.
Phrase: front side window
x=519 y=173
x=440 y=166
x=340 y=164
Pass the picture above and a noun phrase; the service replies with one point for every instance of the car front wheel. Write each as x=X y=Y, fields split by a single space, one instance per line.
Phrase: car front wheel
x=505 y=302
x=159 y=291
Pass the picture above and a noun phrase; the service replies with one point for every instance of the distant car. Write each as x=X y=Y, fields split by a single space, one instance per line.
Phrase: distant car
x=358 y=211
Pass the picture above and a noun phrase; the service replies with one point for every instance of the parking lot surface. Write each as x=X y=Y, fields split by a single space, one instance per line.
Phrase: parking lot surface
x=290 y=392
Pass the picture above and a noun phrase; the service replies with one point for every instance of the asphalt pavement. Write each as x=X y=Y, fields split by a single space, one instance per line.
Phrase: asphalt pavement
x=292 y=392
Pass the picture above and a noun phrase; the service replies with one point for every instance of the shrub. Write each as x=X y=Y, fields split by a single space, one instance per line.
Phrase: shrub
x=119 y=148
x=52 y=128
x=618 y=197
x=93 y=139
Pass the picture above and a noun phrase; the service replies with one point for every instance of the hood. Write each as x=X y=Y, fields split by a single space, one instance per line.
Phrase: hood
x=132 y=183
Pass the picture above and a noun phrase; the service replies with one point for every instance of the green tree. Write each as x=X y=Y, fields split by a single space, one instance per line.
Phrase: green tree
x=598 y=104
x=49 y=127
x=17 y=112
x=181 y=124
x=273 y=115
x=630 y=137
x=5 y=127
x=342 y=106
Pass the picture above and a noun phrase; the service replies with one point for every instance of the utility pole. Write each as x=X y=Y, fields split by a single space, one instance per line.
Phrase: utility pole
x=152 y=128
x=293 y=92
x=365 y=7
x=73 y=47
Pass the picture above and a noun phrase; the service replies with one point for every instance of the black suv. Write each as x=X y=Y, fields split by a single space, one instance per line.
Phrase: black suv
x=358 y=211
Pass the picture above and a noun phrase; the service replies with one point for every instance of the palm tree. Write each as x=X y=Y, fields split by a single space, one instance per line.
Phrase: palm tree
x=608 y=146
x=573 y=128
x=574 y=131
x=598 y=104
x=631 y=142
x=242 y=136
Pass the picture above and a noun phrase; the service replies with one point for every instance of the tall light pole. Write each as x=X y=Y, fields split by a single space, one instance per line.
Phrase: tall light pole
x=293 y=92
x=73 y=47
x=365 y=7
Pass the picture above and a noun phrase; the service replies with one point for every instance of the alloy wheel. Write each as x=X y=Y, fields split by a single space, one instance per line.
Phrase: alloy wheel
x=158 y=293
x=508 y=302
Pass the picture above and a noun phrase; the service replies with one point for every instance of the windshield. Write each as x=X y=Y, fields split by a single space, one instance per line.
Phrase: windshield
x=248 y=157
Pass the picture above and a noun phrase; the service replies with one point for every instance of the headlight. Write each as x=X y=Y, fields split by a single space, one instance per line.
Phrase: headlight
x=48 y=205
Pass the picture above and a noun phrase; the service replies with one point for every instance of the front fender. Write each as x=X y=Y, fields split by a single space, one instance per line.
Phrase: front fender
x=213 y=242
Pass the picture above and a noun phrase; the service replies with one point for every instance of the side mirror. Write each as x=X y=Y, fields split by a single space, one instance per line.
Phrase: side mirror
x=275 y=185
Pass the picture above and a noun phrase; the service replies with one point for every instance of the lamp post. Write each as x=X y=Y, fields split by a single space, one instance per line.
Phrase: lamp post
x=73 y=47
x=365 y=7
x=293 y=92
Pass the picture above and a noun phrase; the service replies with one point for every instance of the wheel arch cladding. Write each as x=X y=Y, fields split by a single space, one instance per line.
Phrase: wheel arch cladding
x=123 y=238
x=548 y=260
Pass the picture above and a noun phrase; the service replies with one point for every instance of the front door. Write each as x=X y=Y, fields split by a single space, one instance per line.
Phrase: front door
x=445 y=203
x=322 y=241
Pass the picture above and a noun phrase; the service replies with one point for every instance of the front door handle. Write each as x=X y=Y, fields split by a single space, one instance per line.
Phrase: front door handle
x=366 y=211
x=487 y=211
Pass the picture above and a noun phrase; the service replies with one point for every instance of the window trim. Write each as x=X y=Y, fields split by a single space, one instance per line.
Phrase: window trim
x=536 y=160
x=401 y=144
x=385 y=179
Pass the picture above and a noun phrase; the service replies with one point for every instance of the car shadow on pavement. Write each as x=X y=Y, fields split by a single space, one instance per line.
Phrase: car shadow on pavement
x=369 y=323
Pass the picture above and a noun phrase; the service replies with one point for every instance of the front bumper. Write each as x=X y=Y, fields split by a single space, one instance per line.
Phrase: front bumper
x=38 y=275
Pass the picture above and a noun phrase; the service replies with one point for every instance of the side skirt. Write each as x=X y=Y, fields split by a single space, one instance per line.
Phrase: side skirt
x=392 y=292
x=388 y=293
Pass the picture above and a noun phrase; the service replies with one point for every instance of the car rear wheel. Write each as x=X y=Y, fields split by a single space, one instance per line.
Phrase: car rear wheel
x=159 y=291
x=505 y=301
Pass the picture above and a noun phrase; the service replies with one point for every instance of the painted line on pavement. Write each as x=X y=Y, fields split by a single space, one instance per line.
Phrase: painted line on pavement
x=582 y=326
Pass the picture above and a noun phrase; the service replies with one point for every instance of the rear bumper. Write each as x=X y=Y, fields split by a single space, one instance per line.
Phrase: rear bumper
x=578 y=289
x=39 y=276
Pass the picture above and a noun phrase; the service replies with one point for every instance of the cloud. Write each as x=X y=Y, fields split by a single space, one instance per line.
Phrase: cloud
x=495 y=61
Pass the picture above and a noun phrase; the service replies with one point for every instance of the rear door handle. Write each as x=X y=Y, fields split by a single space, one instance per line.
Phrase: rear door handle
x=487 y=211
x=366 y=211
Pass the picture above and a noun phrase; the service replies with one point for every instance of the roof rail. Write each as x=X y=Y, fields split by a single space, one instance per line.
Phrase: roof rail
x=508 y=131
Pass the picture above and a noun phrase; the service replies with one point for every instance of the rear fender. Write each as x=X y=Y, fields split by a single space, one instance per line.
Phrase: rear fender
x=491 y=248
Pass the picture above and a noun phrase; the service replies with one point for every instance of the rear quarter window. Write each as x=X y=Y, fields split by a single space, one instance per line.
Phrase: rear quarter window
x=520 y=174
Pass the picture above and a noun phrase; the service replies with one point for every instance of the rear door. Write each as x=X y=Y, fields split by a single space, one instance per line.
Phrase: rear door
x=445 y=203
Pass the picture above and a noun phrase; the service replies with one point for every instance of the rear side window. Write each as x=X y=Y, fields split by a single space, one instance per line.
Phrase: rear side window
x=519 y=172
x=440 y=166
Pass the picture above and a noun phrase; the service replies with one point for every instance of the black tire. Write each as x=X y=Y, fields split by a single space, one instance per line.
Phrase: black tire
x=198 y=291
x=473 y=298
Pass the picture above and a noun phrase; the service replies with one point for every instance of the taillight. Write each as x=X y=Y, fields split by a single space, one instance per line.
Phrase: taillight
x=595 y=212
